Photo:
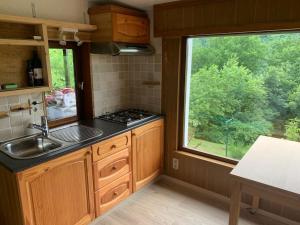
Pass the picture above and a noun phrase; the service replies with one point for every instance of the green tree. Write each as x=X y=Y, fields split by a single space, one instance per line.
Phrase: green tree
x=58 y=70
x=292 y=129
x=250 y=52
x=231 y=92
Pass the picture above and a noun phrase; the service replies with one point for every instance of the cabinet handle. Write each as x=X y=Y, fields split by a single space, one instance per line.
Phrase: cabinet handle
x=114 y=168
x=115 y=194
x=113 y=146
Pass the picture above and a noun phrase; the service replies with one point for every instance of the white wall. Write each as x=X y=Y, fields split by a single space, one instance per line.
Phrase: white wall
x=67 y=10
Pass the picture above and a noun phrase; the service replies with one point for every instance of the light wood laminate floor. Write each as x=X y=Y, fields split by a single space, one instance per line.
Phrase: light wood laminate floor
x=166 y=202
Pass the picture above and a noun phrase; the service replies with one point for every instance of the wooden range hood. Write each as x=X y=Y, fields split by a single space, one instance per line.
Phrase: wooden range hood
x=122 y=30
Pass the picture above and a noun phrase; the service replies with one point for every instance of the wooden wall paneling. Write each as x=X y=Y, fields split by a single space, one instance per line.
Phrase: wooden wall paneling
x=10 y=207
x=224 y=16
x=279 y=12
x=248 y=15
x=13 y=64
x=170 y=95
x=245 y=12
x=16 y=31
x=295 y=9
x=188 y=17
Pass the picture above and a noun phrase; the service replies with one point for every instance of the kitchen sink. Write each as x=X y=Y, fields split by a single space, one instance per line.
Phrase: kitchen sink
x=29 y=147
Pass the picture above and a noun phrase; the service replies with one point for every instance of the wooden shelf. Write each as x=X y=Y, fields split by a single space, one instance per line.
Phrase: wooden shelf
x=20 y=42
x=23 y=91
x=151 y=83
x=49 y=23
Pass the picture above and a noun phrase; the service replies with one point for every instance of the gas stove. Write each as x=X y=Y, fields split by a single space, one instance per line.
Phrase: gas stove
x=128 y=117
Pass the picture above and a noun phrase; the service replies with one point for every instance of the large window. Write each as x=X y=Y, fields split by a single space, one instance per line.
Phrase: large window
x=62 y=101
x=238 y=88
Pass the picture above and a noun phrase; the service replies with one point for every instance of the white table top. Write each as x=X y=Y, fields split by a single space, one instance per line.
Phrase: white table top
x=273 y=162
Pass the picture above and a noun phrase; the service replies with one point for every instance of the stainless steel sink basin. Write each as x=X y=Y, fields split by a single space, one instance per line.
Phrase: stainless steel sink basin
x=29 y=147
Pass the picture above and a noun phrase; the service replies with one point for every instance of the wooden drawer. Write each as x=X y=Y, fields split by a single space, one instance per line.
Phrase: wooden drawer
x=111 y=168
x=111 y=146
x=112 y=194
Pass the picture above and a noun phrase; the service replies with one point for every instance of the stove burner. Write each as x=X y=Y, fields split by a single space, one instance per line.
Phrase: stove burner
x=128 y=117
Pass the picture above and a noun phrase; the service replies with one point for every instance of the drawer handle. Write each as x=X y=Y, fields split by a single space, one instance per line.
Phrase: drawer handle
x=113 y=147
x=116 y=194
x=114 y=168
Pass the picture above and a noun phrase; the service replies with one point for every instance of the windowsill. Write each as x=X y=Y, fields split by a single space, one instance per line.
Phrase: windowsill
x=206 y=159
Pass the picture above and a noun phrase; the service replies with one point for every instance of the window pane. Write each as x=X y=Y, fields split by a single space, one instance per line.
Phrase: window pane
x=61 y=102
x=241 y=87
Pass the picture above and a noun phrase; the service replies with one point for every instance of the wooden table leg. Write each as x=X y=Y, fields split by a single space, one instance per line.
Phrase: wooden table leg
x=255 y=204
x=235 y=204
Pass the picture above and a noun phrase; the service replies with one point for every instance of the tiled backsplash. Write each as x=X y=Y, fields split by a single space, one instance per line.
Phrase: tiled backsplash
x=110 y=83
x=145 y=69
x=118 y=82
x=16 y=124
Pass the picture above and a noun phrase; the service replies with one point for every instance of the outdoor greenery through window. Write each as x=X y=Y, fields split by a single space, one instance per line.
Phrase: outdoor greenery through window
x=241 y=87
x=61 y=102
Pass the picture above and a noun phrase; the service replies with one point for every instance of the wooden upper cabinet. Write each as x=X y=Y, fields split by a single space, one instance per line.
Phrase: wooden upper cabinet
x=147 y=148
x=59 y=192
x=119 y=24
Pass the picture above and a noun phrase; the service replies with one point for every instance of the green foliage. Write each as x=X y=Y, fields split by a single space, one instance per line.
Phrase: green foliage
x=292 y=129
x=231 y=92
x=58 y=68
x=245 y=86
x=249 y=51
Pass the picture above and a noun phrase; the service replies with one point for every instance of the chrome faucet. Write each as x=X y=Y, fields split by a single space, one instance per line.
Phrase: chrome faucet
x=43 y=127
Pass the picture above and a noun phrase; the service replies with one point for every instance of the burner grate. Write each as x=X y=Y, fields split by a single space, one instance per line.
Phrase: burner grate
x=128 y=117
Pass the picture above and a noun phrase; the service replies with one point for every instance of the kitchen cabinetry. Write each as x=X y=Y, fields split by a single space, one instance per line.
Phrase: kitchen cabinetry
x=147 y=148
x=17 y=43
x=72 y=189
x=119 y=24
x=59 y=192
x=112 y=172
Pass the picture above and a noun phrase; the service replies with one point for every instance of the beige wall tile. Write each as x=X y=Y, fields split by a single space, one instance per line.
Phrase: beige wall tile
x=16 y=124
x=118 y=82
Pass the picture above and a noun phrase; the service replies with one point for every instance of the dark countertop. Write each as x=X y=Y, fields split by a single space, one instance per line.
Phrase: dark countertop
x=109 y=129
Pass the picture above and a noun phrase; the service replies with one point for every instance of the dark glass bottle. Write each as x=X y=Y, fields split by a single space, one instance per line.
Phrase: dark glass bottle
x=37 y=70
x=30 y=73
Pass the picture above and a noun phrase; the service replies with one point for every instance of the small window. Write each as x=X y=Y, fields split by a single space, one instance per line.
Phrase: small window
x=238 y=88
x=62 y=100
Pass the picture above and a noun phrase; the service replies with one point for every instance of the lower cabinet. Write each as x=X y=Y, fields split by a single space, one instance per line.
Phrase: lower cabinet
x=72 y=189
x=59 y=192
x=147 y=151
x=112 y=172
x=112 y=194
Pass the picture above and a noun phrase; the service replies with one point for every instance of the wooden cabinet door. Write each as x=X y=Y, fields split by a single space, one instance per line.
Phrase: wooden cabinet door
x=59 y=192
x=130 y=29
x=147 y=148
